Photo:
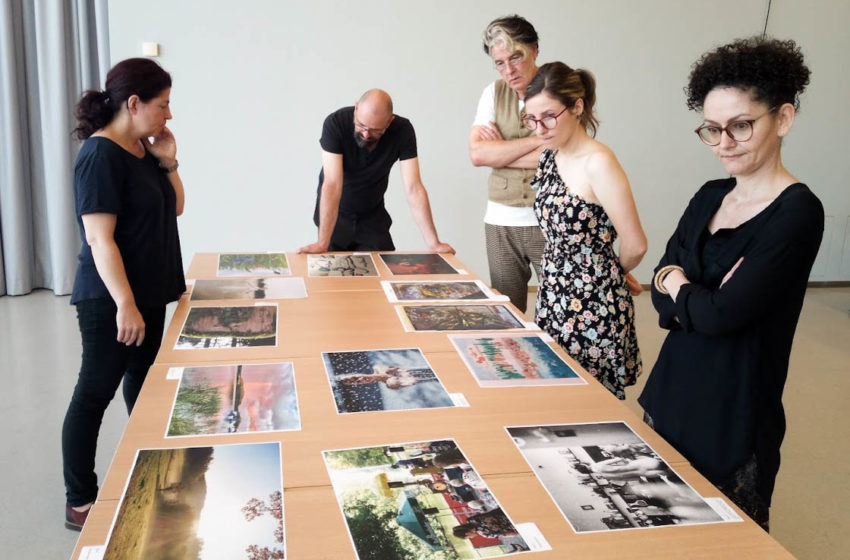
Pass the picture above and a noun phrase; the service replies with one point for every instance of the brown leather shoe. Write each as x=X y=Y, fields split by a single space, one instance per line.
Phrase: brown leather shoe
x=74 y=520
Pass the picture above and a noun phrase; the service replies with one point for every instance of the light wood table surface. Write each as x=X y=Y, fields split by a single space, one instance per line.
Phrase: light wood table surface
x=349 y=314
x=478 y=429
x=325 y=321
x=315 y=529
x=205 y=265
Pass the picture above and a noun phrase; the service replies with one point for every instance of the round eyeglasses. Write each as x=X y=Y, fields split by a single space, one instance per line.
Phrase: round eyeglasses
x=739 y=131
x=547 y=121
x=513 y=61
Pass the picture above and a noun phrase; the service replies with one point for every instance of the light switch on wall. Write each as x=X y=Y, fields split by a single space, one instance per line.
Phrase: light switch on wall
x=150 y=49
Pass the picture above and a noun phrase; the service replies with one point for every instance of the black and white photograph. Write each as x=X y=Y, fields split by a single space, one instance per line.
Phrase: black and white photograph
x=338 y=264
x=248 y=288
x=604 y=477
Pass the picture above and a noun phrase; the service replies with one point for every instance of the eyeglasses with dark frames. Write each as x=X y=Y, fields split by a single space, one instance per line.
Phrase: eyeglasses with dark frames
x=548 y=122
x=739 y=131
x=373 y=131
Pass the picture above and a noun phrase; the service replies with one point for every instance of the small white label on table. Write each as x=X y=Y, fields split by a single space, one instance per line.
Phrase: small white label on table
x=532 y=536
x=190 y=282
x=458 y=399
x=174 y=373
x=501 y=298
x=532 y=326
x=722 y=509
x=462 y=272
x=92 y=552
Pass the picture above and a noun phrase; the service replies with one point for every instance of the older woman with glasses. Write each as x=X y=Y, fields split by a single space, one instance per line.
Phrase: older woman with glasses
x=730 y=285
x=583 y=203
x=498 y=140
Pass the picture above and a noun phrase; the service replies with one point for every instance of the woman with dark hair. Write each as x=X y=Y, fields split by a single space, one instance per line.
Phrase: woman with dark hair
x=498 y=140
x=128 y=195
x=730 y=285
x=583 y=203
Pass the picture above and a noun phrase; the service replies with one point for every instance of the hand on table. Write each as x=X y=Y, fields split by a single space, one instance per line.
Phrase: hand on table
x=442 y=248
x=313 y=248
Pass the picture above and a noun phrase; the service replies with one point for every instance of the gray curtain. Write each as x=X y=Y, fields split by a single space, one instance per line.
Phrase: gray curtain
x=50 y=52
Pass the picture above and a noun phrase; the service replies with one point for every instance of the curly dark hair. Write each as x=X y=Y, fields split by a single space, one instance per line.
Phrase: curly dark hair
x=771 y=68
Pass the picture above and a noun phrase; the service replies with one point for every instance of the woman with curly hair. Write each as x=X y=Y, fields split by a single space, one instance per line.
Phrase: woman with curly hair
x=730 y=285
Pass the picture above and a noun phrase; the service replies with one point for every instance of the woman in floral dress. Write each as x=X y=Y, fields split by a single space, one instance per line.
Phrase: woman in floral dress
x=583 y=201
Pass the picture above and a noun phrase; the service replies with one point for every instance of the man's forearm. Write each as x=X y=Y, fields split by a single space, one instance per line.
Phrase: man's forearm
x=520 y=152
x=328 y=212
x=421 y=208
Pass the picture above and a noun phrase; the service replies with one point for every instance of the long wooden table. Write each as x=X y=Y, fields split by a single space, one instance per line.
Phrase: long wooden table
x=353 y=314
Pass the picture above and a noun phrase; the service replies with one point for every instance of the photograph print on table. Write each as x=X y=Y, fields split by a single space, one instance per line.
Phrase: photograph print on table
x=403 y=264
x=253 y=264
x=513 y=360
x=351 y=264
x=437 y=318
x=604 y=477
x=229 y=327
x=388 y=379
x=188 y=502
x=419 y=500
x=229 y=399
x=205 y=289
x=438 y=291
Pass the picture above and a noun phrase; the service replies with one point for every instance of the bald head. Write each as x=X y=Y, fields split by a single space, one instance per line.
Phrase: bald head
x=373 y=114
x=376 y=103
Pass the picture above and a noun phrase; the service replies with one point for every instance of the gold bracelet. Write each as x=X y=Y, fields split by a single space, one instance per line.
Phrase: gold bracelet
x=662 y=274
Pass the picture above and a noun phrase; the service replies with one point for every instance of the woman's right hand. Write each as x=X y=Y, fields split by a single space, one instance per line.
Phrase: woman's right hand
x=131 y=325
x=632 y=283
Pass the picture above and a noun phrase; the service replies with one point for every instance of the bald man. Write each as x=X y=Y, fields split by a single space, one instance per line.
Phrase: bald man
x=360 y=144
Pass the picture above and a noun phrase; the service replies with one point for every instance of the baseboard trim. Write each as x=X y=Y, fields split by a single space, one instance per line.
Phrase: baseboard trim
x=830 y=284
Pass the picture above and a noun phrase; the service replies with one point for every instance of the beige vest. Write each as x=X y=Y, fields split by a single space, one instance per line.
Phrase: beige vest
x=510 y=186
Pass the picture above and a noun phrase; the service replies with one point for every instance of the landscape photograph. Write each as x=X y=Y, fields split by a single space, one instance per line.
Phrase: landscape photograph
x=229 y=399
x=229 y=327
x=204 y=503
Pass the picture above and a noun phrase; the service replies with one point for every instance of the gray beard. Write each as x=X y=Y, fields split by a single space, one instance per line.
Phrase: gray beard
x=370 y=145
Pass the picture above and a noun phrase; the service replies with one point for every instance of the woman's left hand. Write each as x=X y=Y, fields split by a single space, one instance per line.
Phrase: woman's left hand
x=633 y=285
x=163 y=147
x=731 y=271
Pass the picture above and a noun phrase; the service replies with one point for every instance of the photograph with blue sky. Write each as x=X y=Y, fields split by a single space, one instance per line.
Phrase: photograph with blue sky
x=211 y=503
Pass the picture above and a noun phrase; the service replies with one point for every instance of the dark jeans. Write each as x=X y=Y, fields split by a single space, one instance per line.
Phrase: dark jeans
x=105 y=362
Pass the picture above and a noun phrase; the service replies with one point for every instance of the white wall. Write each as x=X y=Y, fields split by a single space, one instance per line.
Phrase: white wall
x=254 y=79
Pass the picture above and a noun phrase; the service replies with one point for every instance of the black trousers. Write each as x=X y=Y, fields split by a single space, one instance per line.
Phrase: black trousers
x=352 y=233
x=105 y=362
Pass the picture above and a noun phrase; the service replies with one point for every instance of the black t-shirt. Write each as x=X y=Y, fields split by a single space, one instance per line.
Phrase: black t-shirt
x=108 y=179
x=365 y=173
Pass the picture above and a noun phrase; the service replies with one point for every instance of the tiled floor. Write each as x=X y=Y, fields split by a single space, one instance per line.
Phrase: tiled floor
x=39 y=358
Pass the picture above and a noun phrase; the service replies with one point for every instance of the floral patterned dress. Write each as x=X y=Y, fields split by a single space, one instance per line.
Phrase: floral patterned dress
x=583 y=301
